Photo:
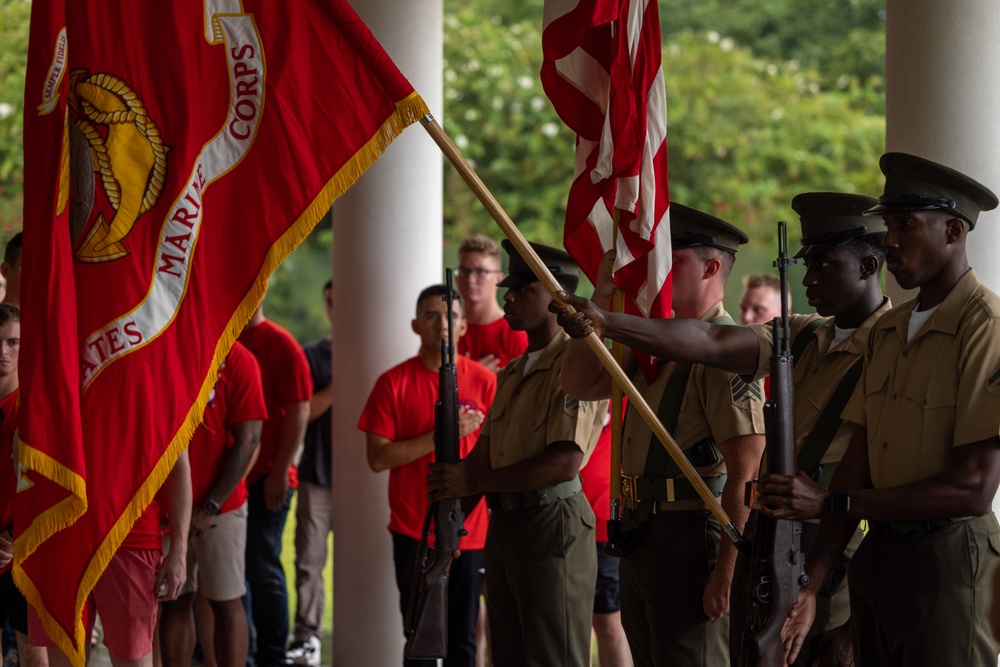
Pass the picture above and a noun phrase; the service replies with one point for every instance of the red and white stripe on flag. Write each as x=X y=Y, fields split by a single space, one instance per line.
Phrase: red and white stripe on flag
x=602 y=71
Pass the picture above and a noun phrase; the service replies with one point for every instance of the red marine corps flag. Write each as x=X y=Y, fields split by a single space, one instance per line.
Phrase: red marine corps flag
x=602 y=71
x=175 y=153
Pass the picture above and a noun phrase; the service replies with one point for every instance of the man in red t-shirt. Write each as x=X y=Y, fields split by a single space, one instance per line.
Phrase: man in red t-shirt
x=288 y=387
x=221 y=452
x=399 y=421
x=489 y=339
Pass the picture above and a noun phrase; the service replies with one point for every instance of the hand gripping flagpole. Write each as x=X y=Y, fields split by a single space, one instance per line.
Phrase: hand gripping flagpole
x=472 y=179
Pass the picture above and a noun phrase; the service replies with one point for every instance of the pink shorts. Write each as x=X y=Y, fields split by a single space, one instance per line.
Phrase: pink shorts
x=125 y=599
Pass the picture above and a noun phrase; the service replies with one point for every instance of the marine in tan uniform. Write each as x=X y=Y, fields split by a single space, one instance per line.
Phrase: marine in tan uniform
x=675 y=581
x=541 y=566
x=843 y=261
x=923 y=463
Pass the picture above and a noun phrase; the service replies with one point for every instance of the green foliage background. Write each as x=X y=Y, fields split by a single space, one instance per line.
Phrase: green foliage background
x=766 y=98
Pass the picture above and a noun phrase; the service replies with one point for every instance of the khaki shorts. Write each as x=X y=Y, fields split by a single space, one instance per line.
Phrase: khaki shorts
x=216 y=559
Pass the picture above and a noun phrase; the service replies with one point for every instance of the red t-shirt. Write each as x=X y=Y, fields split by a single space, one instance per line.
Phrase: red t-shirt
x=8 y=468
x=285 y=376
x=596 y=479
x=147 y=531
x=237 y=397
x=401 y=407
x=493 y=338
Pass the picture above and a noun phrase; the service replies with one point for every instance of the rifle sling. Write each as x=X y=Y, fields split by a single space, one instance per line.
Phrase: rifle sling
x=818 y=441
x=805 y=336
x=659 y=465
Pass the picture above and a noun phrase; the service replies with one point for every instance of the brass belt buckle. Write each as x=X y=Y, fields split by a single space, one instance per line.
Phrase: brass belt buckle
x=628 y=488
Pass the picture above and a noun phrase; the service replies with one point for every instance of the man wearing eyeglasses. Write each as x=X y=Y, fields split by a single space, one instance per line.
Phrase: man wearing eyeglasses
x=489 y=340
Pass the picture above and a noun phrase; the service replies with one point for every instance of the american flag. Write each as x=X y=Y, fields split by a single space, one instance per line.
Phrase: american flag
x=602 y=71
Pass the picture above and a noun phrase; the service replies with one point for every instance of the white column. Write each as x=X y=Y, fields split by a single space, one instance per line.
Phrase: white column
x=387 y=247
x=942 y=96
x=942 y=99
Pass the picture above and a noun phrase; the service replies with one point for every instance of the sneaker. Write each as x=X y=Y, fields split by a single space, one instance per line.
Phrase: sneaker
x=303 y=652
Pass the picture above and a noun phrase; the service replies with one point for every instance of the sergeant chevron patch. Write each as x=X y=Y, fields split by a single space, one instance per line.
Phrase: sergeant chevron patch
x=993 y=383
x=744 y=391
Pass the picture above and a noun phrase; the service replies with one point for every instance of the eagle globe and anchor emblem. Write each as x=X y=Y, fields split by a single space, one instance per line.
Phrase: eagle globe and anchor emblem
x=113 y=139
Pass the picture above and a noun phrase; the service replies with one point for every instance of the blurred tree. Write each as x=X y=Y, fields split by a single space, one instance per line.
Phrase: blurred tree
x=498 y=115
x=14 y=15
x=746 y=134
x=843 y=40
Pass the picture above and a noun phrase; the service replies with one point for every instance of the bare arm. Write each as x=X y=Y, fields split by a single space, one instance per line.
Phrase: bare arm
x=173 y=571
x=235 y=464
x=742 y=455
x=320 y=402
x=584 y=377
x=384 y=453
x=293 y=430
x=732 y=349
x=966 y=488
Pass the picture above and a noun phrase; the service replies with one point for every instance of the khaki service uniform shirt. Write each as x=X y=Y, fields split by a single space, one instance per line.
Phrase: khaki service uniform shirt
x=716 y=404
x=940 y=390
x=817 y=373
x=531 y=412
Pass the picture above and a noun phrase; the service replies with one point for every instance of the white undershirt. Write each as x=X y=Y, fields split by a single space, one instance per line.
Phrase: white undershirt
x=532 y=358
x=917 y=319
x=840 y=335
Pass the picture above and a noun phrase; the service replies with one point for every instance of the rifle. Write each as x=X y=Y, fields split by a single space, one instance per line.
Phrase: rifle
x=777 y=567
x=426 y=622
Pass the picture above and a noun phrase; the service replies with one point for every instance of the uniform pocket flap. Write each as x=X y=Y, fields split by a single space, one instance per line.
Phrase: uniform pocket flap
x=875 y=380
x=994 y=539
x=932 y=392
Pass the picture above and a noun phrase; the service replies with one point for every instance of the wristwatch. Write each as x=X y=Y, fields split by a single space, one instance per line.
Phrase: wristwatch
x=840 y=504
x=211 y=507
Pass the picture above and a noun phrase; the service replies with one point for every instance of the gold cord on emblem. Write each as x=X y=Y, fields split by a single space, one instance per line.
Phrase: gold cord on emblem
x=131 y=159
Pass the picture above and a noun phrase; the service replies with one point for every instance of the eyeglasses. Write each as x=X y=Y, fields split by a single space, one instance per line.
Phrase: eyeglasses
x=478 y=274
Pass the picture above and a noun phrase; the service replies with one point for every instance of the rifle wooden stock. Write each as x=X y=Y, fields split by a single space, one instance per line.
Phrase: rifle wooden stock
x=777 y=566
x=426 y=621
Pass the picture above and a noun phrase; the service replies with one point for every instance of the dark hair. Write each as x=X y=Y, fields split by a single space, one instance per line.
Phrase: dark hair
x=9 y=314
x=869 y=244
x=440 y=291
x=12 y=253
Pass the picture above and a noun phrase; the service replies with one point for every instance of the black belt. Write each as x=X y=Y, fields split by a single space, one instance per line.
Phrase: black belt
x=519 y=501
x=906 y=527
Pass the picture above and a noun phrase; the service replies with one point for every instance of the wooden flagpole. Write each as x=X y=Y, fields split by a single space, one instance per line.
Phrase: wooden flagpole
x=618 y=376
x=618 y=353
